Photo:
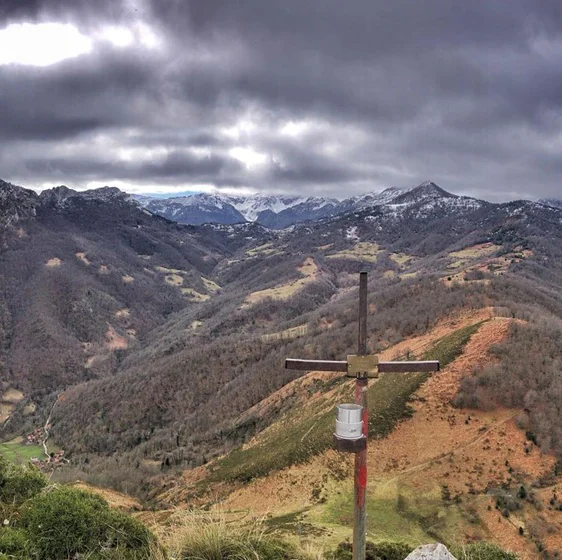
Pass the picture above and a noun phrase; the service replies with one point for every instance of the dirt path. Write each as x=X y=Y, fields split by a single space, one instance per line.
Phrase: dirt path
x=47 y=426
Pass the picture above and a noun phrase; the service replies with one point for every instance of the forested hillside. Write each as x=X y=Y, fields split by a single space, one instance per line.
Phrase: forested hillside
x=84 y=278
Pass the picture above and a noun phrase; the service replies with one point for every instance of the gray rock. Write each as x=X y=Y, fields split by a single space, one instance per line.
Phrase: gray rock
x=435 y=551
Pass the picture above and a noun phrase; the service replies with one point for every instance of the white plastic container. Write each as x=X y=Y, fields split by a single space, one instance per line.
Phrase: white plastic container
x=349 y=424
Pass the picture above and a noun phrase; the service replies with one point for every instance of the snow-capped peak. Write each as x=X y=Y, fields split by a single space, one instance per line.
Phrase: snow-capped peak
x=278 y=211
x=251 y=207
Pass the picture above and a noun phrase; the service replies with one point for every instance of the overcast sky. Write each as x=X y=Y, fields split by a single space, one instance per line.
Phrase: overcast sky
x=319 y=97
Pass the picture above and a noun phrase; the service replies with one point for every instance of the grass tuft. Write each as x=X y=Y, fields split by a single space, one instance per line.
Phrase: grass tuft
x=213 y=536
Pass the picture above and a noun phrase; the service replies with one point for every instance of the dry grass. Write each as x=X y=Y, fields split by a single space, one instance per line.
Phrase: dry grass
x=197 y=535
x=82 y=257
x=6 y=410
x=456 y=264
x=29 y=409
x=53 y=263
x=265 y=249
x=114 y=340
x=13 y=396
x=8 y=402
x=123 y=313
x=362 y=251
x=438 y=446
x=401 y=259
x=293 y=332
x=476 y=251
x=168 y=270
x=116 y=500
x=210 y=285
x=309 y=269
x=173 y=279
x=194 y=295
x=486 y=264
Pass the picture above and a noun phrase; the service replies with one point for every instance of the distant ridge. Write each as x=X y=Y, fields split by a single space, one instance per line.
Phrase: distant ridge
x=552 y=202
x=278 y=212
x=271 y=211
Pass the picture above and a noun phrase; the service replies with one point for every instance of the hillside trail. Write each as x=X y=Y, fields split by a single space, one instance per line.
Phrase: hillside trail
x=465 y=451
x=299 y=393
x=298 y=390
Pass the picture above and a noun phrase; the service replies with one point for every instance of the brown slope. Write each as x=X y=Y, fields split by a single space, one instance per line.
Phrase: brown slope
x=300 y=392
x=468 y=451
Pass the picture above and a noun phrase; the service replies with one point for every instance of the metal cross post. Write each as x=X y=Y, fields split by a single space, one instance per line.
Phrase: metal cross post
x=361 y=367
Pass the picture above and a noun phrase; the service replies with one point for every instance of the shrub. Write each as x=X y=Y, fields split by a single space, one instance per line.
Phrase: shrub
x=383 y=550
x=482 y=551
x=217 y=544
x=18 y=484
x=64 y=522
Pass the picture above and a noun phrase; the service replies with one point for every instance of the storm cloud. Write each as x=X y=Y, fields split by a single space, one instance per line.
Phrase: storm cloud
x=321 y=97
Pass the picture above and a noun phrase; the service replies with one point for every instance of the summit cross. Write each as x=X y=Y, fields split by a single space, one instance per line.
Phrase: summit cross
x=361 y=366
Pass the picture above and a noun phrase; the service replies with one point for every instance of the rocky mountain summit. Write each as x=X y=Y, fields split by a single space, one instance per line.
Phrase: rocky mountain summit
x=16 y=203
x=63 y=196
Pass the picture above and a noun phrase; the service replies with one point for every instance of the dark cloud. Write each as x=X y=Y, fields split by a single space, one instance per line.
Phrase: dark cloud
x=73 y=97
x=320 y=96
x=176 y=164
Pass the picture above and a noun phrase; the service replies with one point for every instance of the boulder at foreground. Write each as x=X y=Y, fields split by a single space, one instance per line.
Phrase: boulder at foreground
x=435 y=551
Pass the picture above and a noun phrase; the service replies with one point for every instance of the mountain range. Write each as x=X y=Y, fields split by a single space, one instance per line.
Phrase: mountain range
x=275 y=212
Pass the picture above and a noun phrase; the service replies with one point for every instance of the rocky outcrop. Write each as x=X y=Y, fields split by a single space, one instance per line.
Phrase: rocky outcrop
x=16 y=203
x=434 y=551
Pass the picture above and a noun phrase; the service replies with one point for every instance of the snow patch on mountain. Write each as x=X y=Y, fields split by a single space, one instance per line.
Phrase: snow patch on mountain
x=252 y=207
x=552 y=202
x=279 y=212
